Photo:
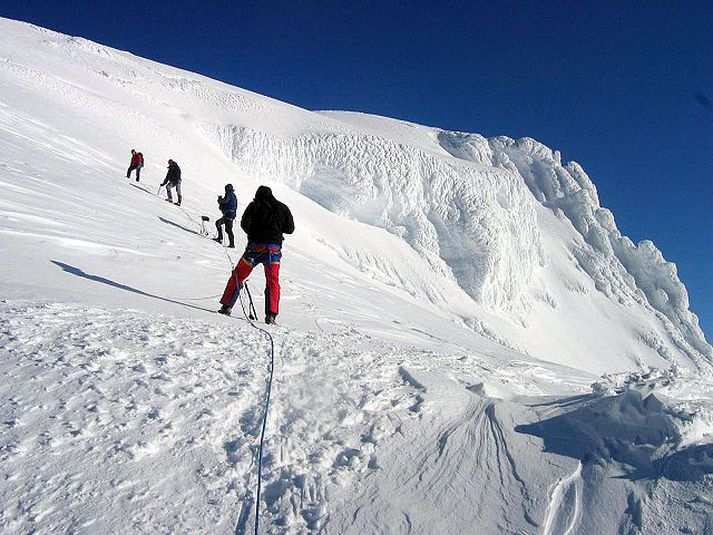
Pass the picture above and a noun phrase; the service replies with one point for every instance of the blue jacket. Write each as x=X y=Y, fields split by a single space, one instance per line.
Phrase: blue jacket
x=228 y=204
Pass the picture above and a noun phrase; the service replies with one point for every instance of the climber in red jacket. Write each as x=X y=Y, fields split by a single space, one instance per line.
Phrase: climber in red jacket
x=137 y=162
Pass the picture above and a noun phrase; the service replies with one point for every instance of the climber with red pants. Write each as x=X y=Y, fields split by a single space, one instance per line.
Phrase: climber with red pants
x=264 y=221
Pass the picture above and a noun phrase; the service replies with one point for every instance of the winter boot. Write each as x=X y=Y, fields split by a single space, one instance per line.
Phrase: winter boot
x=219 y=239
x=225 y=309
x=271 y=319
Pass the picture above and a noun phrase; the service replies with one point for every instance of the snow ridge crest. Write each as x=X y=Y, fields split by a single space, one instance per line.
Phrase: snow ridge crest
x=478 y=212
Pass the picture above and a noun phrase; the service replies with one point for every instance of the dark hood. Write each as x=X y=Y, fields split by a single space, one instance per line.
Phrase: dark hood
x=264 y=193
x=228 y=187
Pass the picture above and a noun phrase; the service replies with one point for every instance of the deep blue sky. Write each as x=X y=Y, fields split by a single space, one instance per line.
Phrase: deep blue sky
x=610 y=84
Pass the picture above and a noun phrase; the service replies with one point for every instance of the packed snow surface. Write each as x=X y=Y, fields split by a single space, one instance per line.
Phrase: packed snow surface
x=467 y=343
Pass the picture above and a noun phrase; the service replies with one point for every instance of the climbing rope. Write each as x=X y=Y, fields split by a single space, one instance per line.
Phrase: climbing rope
x=268 y=395
x=205 y=298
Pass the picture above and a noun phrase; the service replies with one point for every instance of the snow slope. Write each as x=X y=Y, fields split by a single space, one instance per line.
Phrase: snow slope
x=468 y=342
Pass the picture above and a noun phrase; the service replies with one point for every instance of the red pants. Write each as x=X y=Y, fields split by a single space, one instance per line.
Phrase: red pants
x=267 y=254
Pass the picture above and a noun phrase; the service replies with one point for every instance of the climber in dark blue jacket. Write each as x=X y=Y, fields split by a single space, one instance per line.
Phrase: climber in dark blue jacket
x=228 y=204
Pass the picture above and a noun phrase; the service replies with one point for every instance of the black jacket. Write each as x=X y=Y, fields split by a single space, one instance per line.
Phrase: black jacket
x=173 y=175
x=265 y=219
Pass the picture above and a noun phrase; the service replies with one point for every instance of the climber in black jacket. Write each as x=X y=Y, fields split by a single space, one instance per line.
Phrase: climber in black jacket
x=265 y=221
x=173 y=180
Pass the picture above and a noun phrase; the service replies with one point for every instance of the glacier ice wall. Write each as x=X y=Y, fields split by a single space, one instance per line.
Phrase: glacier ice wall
x=468 y=209
x=472 y=221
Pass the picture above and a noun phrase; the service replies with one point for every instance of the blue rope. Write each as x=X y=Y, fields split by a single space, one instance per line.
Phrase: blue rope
x=264 y=425
x=267 y=398
x=269 y=387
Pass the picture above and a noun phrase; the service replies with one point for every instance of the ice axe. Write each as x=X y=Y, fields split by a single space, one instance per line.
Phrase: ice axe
x=159 y=189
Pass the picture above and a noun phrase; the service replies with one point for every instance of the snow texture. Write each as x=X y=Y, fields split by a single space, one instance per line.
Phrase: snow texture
x=467 y=343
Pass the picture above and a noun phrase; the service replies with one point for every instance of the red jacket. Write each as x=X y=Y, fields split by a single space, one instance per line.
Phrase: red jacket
x=137 y=159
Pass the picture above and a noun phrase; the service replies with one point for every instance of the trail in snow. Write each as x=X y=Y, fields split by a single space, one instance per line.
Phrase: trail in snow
x=564 y=510
x=101 y=432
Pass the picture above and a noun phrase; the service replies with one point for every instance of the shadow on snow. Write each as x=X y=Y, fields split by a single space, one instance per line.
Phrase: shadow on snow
x=96 y=278
x=169 y=222
x=630 y=429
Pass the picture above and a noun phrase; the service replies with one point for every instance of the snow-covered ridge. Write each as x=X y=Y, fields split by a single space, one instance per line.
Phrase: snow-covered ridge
x=622 y=270
x=472 y=217
x=470 y=208
x=465 y=340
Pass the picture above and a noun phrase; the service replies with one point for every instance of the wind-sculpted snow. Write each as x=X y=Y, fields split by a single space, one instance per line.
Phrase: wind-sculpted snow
x=474 y=222
x=479 y=466
x=625 y=272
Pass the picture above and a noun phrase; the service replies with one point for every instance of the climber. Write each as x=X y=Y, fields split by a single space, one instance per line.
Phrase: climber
x=173 y=180
x=137 y=162
x=229 y=206
x=264 y=220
